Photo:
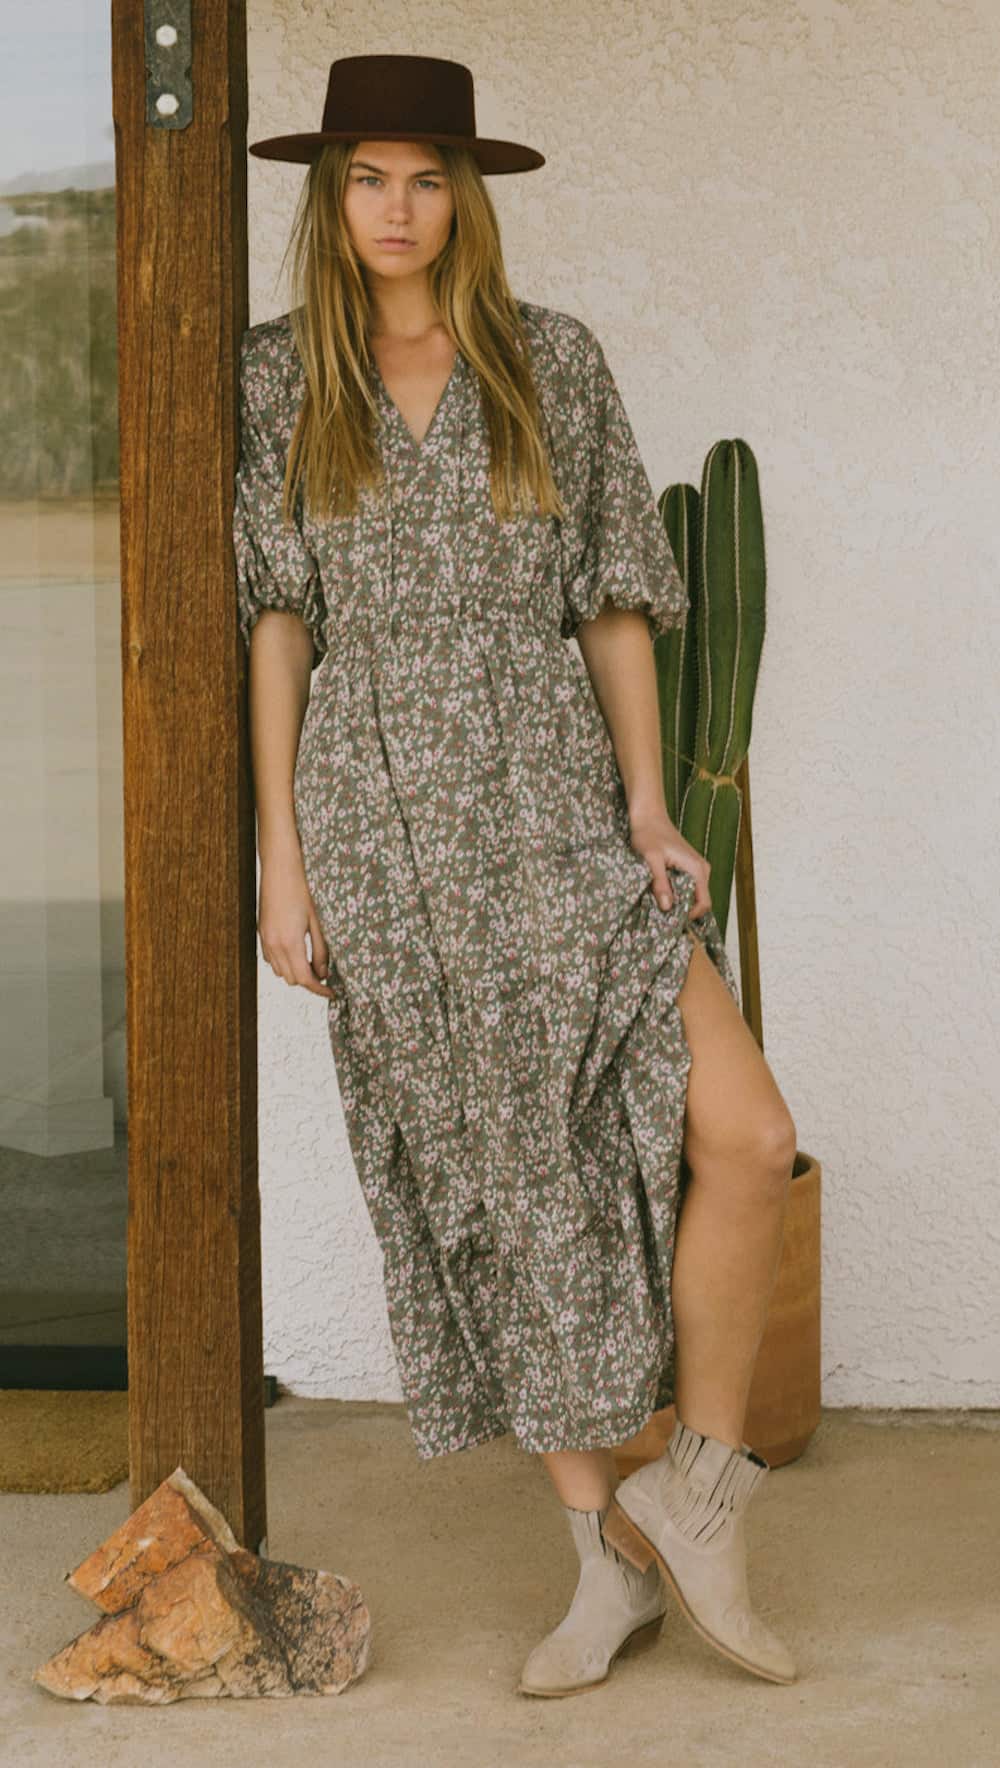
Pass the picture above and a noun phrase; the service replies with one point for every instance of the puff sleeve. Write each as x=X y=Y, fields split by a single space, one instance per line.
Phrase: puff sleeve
x=274 y=566
x=615 y=547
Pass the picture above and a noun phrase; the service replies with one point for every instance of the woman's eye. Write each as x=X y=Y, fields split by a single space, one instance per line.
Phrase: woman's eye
x=372 y=178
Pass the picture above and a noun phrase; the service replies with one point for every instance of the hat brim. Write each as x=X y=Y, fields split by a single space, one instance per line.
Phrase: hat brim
x=491 y=155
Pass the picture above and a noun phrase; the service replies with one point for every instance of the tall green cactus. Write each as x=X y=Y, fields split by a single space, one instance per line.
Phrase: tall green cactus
x=677 y=651
x=707 y=670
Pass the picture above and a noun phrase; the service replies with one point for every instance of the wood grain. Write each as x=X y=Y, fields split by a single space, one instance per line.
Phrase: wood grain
x=194 y=1274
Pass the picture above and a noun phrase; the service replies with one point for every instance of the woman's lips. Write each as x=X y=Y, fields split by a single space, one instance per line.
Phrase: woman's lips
x=395 y=245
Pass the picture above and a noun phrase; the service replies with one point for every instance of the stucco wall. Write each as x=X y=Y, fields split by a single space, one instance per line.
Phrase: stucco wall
x=781 y=221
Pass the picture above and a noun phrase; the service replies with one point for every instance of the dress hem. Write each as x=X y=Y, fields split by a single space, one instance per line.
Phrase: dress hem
x=579 y=1442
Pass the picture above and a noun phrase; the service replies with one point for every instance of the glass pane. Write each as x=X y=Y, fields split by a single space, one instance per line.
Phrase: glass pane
x=62 y=1029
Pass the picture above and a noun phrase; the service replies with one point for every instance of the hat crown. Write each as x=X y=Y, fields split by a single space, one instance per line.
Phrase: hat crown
x=401 y=98
x=418 y=92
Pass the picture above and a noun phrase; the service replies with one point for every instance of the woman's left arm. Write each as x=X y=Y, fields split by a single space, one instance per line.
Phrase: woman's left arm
x=618 y=652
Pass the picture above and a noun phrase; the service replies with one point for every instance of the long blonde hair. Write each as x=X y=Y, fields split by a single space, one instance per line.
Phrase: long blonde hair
x=333 y=449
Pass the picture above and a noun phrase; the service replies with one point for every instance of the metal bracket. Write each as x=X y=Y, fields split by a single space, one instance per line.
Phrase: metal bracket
x=169 y=99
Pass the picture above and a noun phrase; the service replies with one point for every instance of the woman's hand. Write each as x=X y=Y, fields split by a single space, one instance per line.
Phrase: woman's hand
x=616 y=648
x=660 y=844
x=286 y=915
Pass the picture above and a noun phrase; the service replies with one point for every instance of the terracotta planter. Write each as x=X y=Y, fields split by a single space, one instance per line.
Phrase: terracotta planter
x=784 y=1404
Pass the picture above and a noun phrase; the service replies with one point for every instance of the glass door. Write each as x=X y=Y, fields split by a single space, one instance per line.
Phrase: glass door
x=63 y=1099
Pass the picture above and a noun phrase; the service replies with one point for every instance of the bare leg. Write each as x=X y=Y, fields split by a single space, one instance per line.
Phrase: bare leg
x=739 y=1145
x=583 y=1478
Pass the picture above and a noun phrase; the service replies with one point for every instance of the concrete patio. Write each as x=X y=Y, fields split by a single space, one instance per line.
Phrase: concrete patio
x=876 y=1555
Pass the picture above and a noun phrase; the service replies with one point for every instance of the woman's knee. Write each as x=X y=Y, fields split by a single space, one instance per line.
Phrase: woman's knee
x=736 y=1115
x=769 y=1140
x=777 y=1141
x=754 y=1148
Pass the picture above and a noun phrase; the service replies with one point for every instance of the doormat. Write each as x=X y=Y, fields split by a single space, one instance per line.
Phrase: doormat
x=56 y=1440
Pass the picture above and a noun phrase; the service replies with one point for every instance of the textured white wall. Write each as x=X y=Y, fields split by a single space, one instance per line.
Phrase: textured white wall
x=781 y=220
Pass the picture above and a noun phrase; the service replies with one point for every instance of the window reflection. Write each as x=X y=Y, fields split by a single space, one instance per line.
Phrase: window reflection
x=62 y=1028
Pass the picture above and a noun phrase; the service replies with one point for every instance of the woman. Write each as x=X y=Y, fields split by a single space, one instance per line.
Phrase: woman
x=530 y=1007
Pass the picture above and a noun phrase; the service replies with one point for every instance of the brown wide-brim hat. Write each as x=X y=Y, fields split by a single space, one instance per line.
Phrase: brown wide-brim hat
x=401 y=98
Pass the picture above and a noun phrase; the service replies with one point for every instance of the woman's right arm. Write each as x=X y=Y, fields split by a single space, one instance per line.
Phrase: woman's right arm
x=281 y=658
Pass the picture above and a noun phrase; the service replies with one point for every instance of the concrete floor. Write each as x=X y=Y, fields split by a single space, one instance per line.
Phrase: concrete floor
x=876 y=1555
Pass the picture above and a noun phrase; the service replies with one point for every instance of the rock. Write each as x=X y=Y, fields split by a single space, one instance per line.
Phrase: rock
x=175 y=1521
x=191 y=1613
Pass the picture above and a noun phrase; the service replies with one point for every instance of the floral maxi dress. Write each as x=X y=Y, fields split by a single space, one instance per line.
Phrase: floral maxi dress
x=509 y=1051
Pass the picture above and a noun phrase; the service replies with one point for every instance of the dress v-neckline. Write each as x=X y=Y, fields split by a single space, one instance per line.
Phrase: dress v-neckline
x=418 y=447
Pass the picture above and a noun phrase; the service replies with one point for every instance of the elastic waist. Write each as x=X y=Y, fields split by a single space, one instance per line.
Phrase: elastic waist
x=379 y=629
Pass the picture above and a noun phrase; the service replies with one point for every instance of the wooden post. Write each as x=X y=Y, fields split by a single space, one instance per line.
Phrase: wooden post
x=194 y=1278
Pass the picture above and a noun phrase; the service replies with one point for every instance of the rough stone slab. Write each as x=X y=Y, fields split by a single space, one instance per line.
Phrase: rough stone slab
x=176 y=1520
x=198 y=1618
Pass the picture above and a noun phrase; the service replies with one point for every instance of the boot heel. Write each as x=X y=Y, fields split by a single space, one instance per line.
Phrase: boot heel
x=644 y=1636
x=622 y=1533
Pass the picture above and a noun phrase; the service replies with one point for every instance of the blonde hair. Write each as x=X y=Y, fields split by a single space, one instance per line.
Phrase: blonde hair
x=333 y=449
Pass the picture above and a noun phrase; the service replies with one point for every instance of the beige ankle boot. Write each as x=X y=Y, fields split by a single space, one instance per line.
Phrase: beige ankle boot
x=614 y=1607
x=684 y=1511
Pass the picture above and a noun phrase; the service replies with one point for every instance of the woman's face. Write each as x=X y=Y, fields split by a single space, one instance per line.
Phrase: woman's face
x=397 y=190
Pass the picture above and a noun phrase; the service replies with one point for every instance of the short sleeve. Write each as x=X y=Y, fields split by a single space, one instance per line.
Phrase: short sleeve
x=615 y=545
x=274 y=567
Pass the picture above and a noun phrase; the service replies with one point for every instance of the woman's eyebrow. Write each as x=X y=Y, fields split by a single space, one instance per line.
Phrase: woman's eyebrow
x=432 y=171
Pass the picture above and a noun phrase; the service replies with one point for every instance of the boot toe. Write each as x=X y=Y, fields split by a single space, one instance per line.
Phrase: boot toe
x=762 y=1647
x=773 y=1654
x=562 y=1665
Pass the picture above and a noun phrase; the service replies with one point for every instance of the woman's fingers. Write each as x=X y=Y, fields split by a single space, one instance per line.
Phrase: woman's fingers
x=280 y=963
x=306 y=979
x=699 y=869
x=661 y=883
x=291 y=964
x=702 y=897
x=304 y=973
x=660 y=860
x=320 y=955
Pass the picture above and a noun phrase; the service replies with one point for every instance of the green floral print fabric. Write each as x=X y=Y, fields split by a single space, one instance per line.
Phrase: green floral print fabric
x=505 y=1033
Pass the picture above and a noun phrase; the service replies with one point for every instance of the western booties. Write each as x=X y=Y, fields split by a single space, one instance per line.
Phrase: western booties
x=614 y=1607
x=685 y=1512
